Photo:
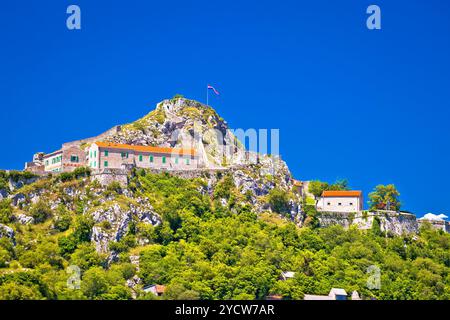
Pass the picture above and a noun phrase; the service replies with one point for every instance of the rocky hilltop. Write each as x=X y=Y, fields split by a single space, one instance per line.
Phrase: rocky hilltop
x=185 y=123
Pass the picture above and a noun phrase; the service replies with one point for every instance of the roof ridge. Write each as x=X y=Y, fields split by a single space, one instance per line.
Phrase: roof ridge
x=156 y=149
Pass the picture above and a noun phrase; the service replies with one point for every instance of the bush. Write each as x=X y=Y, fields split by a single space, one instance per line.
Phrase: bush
x=21 y=175
x=5 y=211
x=63 y=220
x=82 y=233
x=5 y=257
x=115 y=187
x=80 y=172
x=178 y=96
x=224 y=187
x=279 y=201
x=40 y=211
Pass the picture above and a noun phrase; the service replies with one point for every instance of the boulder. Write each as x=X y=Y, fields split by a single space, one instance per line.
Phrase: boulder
x=18 y=198
x=6 y=232
x=24 y=219
x=3 y=194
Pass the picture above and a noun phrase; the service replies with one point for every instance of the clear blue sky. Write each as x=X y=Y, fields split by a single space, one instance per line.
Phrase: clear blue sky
x=369 y=106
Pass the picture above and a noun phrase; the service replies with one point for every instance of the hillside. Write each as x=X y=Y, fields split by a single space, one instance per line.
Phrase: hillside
x=226 y=231
x=200 y=241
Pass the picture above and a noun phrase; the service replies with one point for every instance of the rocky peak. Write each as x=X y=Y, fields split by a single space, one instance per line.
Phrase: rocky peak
x=185 y=123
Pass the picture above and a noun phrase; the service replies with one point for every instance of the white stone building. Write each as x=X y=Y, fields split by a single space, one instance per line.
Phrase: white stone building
x=341 y=201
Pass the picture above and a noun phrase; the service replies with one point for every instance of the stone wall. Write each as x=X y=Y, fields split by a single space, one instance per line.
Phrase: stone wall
x=397 y=223
x=106 y=176
x=437 y=224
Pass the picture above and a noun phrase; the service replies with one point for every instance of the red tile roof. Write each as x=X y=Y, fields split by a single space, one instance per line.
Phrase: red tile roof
x=343 y=193
x=298 y=183
x=160 y=288
x=149 y=149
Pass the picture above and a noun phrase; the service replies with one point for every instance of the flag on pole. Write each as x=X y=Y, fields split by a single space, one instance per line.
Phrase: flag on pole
x=210 y=87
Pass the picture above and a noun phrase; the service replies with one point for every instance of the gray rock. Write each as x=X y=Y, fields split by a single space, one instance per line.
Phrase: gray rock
x=17 y=184
x=6 y=232
x=3 y=194
x=119 y=219
x=24 y=219
x=18 y=198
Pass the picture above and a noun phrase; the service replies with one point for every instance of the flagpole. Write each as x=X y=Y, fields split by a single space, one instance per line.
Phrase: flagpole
x=207 y=94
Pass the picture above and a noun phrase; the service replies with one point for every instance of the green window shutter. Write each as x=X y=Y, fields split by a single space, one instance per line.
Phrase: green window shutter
x=95 y=154
x=187 y=161
x=163 y=159
x=176 y=160
x=106 y=153
x=151 y=158
x=105 y=164
x=127 y=155
x=140 y=157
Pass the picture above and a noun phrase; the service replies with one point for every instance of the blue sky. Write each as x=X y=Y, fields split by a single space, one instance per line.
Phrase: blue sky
x=369 y=106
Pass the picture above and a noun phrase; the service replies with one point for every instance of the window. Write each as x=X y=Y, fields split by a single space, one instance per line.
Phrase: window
x=328 y=203
x=163 y=159
x=105 y=164
x=95 y=164
x=151 y=159
x=339 y=204
x=351 y=203
x=187 y=161
x=140 y=157
x=74 y=158
x=106 y=153
x=176 y=160
x=46 y=162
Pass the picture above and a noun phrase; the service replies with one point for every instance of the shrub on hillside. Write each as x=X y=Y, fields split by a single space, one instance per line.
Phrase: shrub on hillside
x=279 y=201
x=5 y=211
x=40 y=211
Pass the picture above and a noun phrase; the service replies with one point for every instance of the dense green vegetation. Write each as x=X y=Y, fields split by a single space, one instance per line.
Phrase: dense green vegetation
x=208 y=249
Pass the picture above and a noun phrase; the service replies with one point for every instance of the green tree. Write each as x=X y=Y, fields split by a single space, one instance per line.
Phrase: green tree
x=384 y=197
x=94 y=283
x=316 y=188
x=14 y=291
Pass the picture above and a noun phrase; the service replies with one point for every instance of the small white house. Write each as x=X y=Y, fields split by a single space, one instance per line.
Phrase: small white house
x=156 y=289
x=341 y=201
x=287 y=275
x=335 y=294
